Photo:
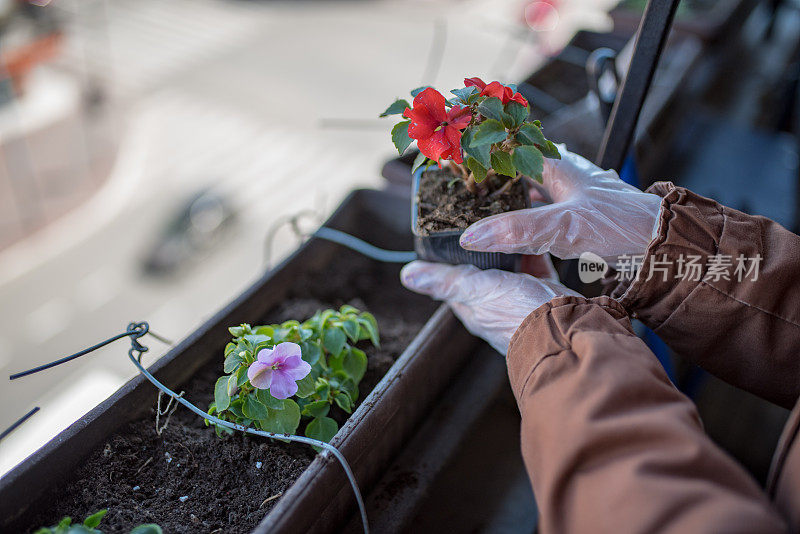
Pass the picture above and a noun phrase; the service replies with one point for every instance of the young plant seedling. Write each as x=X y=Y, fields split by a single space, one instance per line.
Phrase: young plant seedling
x=483 y=131
x=90 y=524
x=278 y=374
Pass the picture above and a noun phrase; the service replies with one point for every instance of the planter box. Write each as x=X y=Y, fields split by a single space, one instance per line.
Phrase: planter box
x=320 y=500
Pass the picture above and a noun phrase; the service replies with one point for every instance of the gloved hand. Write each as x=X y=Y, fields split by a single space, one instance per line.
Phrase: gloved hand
x=491 y=304
x=590 y=210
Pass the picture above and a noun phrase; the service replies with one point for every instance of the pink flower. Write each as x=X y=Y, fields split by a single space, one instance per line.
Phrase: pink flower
x=278 y=369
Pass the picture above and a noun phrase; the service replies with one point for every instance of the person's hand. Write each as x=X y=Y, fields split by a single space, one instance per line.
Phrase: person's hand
x=491 y=303
x=589 y=210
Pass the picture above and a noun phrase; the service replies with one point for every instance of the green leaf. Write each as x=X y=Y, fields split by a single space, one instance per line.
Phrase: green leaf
x=418 y=90
x=318 y=408
x=265 y=330
x=529 y=161
x=517 y=113
x=334 y=340
x=237 y=331
x=336 y=361
x=253 y=409
x=367 y=320
x=344 y=402
x=322 y=429
x=419 y=161
x=350 y=327
x=283 y=421
x=400 y=136
x=94 y=520
x=305 y=386
x=478 y=170
x=550 y=150
x=233 y=385
x=355 y=364
x=479 y=153
x=256 y=339
x=305 y=333
x=241 y=376
x=489 y=132
x=310 y=351
x=323 y=388
x=236 y=408
x=351 y=388
x=464 y=93
x=501 y=163
x=233 y=360
x=492 y=108
x=221 y=397
x=229 y=347
x=150 y=528
x=530 y=134
x=266 y=398
x=396 y=107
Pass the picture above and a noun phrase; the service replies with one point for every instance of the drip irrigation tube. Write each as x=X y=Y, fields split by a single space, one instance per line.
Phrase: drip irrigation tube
x=371 y=251
x=17 y=423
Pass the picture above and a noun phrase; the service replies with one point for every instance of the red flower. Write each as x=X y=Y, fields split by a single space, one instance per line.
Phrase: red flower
x=497 y=90
x=437 y=131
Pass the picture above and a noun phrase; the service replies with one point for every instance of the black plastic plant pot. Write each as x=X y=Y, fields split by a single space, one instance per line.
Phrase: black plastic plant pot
x=320 y=499
x=444 y=247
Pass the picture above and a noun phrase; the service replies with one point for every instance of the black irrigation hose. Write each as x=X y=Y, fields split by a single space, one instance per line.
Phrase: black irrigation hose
x=68 y=358
x=18 y=422
x=136 y=331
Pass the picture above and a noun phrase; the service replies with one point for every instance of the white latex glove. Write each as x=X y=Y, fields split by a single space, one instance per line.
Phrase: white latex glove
x=491 y=303
x=590 y=210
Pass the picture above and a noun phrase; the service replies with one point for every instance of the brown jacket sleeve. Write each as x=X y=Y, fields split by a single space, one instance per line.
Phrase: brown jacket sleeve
x=745 y=332
x=609 y=443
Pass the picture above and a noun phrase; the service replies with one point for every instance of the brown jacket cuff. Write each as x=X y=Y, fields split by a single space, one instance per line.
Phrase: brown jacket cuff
x=688 y=225
x=549 y=330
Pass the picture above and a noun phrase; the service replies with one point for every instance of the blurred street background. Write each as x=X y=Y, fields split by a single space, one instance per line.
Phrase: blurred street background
x=149 y=148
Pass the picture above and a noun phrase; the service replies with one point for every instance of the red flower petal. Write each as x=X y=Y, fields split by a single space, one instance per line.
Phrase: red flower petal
x=453 y=136
x=495 y=89
x=518 y=98
x=459 y=117
x=433 y=100
x=422 y=124
x=474 y=82
x=435 y=146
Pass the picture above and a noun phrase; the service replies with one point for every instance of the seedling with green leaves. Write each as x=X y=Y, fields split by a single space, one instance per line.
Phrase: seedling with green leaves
x=90 y=524
x=280 y=374
x=484 y=130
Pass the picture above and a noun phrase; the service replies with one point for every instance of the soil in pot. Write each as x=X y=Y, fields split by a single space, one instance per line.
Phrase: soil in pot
x=187 y=479
x=446 y=204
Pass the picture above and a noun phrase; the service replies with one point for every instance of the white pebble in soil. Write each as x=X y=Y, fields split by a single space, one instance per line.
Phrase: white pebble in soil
x=258 y=465
x=168 y=457
x=184 y=498
x=136 y=488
